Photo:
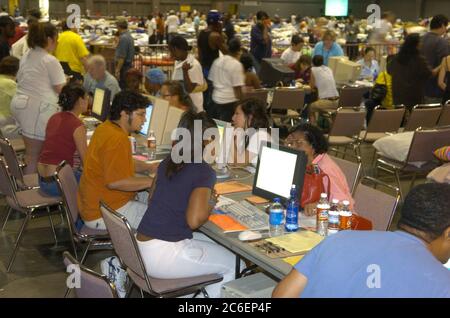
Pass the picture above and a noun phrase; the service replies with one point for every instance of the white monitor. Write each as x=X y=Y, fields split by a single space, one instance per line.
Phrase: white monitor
x=173 y=119
x=447 y=264
x=347 y=72
x=274 y=180
x=333 y=61
x=158 y=120
x=225 y=142
x=101 y=104
x=148 y=116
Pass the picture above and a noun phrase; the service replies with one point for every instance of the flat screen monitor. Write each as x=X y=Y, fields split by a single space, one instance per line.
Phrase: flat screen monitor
x=347 y=72
x=336 y=8
x=101 y=104
x=148 y=116
x=274 y=180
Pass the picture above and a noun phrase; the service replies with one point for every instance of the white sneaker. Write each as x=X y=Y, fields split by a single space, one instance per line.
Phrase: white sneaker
x=112 y=268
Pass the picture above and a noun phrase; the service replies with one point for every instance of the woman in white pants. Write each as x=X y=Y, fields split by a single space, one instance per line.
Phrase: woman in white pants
x=181 y=200
x=39 y=81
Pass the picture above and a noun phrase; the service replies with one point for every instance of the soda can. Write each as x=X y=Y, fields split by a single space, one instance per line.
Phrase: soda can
x=133 y=144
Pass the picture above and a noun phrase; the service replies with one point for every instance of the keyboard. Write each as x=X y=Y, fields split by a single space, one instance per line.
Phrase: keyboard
x=247 y=214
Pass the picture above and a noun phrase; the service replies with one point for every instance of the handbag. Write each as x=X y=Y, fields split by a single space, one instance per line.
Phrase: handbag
x=313 y=185
x=379 y=91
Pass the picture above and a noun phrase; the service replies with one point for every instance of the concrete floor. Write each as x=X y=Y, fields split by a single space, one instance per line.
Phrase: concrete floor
x=38 y=270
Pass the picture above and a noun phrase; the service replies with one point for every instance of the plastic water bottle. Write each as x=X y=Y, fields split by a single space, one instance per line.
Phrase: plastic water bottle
x=345 y=216
x=151 y=145
x=322 y=215
x=292 y=211
x=276 y=218
x=333 y=217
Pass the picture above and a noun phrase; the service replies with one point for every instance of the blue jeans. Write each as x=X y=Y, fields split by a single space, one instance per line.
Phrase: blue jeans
x=51 y=188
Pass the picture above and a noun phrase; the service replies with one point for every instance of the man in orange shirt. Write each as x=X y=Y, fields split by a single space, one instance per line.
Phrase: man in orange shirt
x=109 y=168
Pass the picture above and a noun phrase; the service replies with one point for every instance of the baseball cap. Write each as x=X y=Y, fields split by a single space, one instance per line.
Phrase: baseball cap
x=214 y=16
x=156 y=76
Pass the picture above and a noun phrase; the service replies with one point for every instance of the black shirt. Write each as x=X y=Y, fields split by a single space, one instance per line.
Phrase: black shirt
x=208 y=55
x=4 y=49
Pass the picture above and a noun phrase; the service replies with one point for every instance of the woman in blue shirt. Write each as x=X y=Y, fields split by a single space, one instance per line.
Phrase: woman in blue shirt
x=328 y=47
x=370 y=67
x=180 y=202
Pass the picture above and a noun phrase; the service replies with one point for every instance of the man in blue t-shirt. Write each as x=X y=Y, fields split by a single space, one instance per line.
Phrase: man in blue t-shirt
x=405 y=263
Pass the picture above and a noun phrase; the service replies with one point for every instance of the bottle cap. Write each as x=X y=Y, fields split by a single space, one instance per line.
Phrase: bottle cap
x=323 y=195
x=345 y=202
x=276 y=200
x=335 y=201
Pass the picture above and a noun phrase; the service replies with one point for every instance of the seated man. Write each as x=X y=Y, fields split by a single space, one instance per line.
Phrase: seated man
x=99 y=77
x=404 y=263
x=109 y=168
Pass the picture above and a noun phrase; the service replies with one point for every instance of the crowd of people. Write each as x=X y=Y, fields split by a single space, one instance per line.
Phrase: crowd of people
x=50 y=83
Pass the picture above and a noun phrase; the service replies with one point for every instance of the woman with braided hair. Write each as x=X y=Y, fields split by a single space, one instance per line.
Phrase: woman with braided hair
x=65 y=134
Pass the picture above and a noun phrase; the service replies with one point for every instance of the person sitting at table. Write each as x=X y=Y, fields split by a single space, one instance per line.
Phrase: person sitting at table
x=65 y=134
x=372 y=264
x=370 y=67
x=98 y=77
x=292 y=53
x=133 y=80
x=174 y=93
x=251 y=127
x=154 y=78
x=302 y=69
x=166 y=236
x=312 y=141
x=252 y=80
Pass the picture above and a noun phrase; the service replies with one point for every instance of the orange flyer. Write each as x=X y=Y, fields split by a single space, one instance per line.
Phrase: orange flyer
x=226 y=223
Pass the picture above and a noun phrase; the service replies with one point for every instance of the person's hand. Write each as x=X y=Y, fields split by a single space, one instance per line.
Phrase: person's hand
x=310 y=209
x=186 y=67
x=214 y=198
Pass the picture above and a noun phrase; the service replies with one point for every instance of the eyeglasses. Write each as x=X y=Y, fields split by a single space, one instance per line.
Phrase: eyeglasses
x=295 y=143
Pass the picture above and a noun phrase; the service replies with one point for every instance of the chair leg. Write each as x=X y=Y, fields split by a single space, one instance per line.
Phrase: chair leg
x=85 y=252
x=19 y=238
x=397 y=177
x=68 y=290
x=52 y=225
x=413 y=181
x=142 y=293
x=204 y=292
x=6 y=219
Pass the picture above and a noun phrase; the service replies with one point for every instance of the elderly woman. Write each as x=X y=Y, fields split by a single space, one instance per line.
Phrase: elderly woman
x=311 y=140
x=154 y=78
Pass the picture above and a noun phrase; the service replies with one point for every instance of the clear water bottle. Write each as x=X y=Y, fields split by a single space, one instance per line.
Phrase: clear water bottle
x=276 y=218
x=292 y=211
x=322 y=215
x=151 y=145
x=333 y=217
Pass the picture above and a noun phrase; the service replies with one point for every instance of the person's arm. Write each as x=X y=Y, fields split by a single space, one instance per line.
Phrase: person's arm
x=255 y=81
x=441 y=76
x=187 y=80
x=198 y=209
x=58 y=88
x=118 y=67
x=339 y=50
x=312 y=81
x=291 y=286
x=238 y=92
x=141 y=166
x=131 y=184
x=79 y=136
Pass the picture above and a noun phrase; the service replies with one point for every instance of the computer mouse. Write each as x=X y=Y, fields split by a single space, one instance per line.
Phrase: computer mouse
x=249 y=235
x=250 y=169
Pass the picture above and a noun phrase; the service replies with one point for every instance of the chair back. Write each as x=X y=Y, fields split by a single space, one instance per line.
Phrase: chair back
x=260 y=94
x=385 y=120
x=351 y=170
x=375 y=205
x=68 y=186
x=351 y=96
x=124 y=242
x=347 y=122
x=12 y=162
x=444 y=118
x=425 y=142
x=7 y=187
x=92 y=284
x=288 y=98
x=423 y=116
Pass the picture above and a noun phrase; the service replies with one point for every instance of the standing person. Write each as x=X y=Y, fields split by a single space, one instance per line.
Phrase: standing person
x=39 y=81
x=379 y=34
x=409 y=72
x=9 y=66
x=72 y=50
x=19 y=48
x=124 y=55
x=228 y=27
x=188 y=70
x=260 y=41
x=7 y=31
x=151 y=29
x=175 y=94
x=172 y=23
x=434 y=48
x=370 y=67
x=196 y=23
x=418 y=249
x=328 y=47
x=160 y=29
x=210 y=41
x=351 y=40
x=227 y=76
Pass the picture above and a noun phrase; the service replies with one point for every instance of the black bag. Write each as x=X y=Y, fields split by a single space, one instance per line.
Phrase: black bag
x=379 y=91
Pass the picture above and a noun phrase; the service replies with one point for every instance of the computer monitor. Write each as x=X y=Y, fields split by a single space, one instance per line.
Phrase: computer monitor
x=225 y=142
x=101 y=104
x=274 y=70
x=334 y=60
x=158 y=120
x=347 y=72
x=148 y=116
x=274 y=180
x=173 y=119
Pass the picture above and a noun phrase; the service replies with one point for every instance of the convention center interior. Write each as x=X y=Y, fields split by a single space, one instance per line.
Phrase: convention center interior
x=224 y=149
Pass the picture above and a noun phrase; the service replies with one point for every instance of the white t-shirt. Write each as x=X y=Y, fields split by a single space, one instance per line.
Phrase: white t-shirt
x=325 y=82
x=151 y=27
x=289 y=56
x=39 y=71
x=196 y=76
x=254 y=143
x=226 y=72
x=172 y=23
x=20 y=48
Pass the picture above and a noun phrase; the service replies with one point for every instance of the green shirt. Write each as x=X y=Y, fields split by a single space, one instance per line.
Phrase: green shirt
x=7 y=91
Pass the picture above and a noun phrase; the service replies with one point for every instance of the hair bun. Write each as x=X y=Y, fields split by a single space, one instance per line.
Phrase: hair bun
x=63 y=99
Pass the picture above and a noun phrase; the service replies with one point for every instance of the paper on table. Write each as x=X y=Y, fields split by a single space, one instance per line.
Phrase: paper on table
x=297 y=243
x=231 y=187
x=292 y=260
x=256 y=200
x=226 y=223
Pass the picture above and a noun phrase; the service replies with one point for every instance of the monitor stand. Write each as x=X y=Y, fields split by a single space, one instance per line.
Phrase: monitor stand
x=222 y=173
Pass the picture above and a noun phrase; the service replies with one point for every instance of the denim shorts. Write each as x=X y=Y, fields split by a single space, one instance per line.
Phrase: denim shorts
x=51 y=188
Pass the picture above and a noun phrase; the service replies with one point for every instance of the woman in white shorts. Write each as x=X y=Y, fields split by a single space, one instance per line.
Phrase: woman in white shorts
x=39 y=81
